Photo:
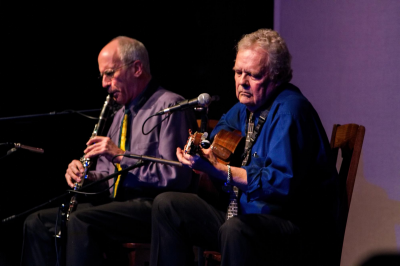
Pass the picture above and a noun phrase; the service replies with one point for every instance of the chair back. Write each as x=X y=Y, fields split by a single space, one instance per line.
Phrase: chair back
x=211 y=123
x=348 y=139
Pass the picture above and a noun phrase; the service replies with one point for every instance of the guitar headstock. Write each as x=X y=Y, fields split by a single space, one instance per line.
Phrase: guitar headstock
x=195 y=142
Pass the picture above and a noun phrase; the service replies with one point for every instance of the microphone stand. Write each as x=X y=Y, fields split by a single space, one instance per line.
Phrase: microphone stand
x=204 y=118
x=12 y=217
x=203 y=128
x=48 y=114
x=141 y=158
x=9 y=152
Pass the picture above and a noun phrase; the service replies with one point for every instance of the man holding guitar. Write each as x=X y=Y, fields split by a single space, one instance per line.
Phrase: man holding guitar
x=288 y=203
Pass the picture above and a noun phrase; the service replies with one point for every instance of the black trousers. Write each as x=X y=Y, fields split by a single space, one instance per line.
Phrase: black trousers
x=90 y=230
x=181 y=220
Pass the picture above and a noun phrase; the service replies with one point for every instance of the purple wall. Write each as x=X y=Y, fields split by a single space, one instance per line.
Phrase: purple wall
x=346 y=60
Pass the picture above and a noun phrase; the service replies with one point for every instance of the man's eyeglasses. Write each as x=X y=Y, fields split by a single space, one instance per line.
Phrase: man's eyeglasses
x=109 y=73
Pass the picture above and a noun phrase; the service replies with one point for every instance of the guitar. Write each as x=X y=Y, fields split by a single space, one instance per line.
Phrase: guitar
x=224 y=146
x=227 y=147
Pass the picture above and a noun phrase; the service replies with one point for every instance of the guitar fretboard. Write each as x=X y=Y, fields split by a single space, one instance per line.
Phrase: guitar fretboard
x=233 y=208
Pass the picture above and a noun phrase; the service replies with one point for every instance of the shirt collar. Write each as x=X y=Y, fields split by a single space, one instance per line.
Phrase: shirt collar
x=131 y=106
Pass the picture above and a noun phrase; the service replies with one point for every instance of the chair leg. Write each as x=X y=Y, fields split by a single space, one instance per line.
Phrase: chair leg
x=212 y=258
x=138 y=253
x=132 y=257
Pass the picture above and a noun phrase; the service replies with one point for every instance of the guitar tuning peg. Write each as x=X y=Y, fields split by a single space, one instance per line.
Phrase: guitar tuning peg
x=204 y=136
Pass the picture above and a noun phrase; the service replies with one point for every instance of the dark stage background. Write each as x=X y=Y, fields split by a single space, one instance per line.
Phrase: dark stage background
x=49 y=62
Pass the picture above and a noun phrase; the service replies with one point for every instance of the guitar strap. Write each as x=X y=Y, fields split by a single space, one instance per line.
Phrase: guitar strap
x=261 y=120
x=253 y=137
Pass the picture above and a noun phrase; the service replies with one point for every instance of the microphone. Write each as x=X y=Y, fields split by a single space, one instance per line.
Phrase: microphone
x=29 y=148
x=203 y=100
x=16 y=146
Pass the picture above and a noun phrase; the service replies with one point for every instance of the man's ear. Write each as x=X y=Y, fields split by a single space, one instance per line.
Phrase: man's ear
x=137 y=68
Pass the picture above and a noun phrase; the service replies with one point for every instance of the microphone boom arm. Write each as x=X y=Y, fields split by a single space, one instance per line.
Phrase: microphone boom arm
x=141 y=158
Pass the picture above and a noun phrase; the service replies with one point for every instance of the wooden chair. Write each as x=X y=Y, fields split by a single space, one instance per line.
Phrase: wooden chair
x=211 y=123
x=348 y=139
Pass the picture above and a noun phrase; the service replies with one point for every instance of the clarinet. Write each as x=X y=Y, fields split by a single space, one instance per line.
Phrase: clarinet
x=86 y=161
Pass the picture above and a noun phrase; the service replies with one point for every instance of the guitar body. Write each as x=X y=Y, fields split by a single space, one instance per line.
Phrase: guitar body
x=227 y=147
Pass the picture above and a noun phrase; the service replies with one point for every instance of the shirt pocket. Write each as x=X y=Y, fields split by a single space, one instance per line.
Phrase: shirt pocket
x=148 y=149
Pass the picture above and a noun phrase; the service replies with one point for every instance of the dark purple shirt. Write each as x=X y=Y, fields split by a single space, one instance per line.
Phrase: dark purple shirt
x=161 y=143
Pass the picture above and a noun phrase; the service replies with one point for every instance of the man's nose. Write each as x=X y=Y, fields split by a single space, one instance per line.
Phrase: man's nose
x=244 y=80
x=105 y=82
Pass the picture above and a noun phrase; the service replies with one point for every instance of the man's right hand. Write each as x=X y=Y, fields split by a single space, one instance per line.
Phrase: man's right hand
x=74 y=173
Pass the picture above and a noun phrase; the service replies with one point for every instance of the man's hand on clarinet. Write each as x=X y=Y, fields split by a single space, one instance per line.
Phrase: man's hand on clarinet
x=74 y=173
x=103 y=146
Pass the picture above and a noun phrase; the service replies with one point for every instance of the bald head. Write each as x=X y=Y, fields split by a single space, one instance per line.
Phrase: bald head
x=130 y=49
x=111 y=52
x=124 y=66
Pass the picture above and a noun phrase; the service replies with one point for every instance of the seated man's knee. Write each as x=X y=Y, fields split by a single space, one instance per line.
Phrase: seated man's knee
x=170 y=204
x=38 y=222
x=32 y=221
x=231 y=228
x=167 y=200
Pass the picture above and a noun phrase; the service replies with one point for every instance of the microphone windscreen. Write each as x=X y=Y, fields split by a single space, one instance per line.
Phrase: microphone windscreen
x=204 y=99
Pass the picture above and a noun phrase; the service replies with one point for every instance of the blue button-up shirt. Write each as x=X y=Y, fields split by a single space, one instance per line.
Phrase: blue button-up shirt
x=290 y=172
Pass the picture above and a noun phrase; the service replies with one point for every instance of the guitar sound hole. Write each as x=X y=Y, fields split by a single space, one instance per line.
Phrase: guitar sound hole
x=205 y=144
